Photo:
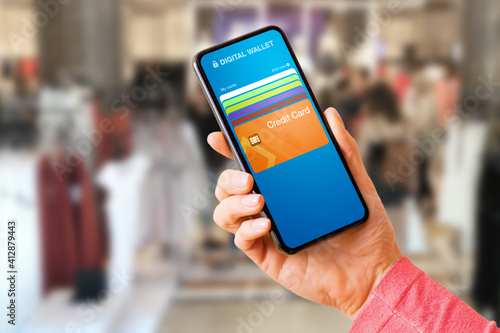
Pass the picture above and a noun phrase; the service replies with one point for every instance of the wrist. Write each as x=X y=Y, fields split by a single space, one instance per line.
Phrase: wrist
x=380 y=270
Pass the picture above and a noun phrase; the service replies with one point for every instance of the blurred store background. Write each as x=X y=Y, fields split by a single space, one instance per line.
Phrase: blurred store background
x=105 y=166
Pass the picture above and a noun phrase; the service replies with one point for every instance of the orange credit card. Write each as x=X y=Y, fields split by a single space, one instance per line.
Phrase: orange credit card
x=281 y=135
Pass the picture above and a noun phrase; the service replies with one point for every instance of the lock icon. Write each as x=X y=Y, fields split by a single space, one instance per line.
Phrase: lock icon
x=215 y=64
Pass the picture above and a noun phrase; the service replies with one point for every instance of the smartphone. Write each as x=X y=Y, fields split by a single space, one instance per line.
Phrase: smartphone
x=278 y=133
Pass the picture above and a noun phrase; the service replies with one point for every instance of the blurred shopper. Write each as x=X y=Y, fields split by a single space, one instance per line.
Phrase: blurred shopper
x=420 y=110
x=401 y=83
x=344 y=87
x=447 y=90
x=362 y=84
x=348 y=101
x=383 y=140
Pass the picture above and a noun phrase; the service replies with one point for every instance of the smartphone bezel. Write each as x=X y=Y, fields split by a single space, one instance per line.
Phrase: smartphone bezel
x=238 y=155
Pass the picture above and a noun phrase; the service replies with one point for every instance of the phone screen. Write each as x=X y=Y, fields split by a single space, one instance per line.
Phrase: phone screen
x=285 y=143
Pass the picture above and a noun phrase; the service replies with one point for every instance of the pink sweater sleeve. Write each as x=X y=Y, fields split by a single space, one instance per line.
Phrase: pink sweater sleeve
x=408 y=300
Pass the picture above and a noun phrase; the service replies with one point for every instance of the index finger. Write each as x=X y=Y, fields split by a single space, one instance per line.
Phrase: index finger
x=233 y=182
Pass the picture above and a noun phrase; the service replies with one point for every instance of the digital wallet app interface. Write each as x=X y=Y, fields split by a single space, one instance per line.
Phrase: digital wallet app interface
x=292 y=158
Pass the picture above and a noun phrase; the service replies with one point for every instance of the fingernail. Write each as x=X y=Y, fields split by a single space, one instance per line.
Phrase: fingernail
x=260 y=224
x=339 y=118
x=240 y=179
x=250 y=200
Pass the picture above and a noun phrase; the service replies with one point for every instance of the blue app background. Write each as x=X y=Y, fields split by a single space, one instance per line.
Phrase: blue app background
x=310 y=195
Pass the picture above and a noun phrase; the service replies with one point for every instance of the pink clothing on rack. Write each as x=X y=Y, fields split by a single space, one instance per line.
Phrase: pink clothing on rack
x=407 y=300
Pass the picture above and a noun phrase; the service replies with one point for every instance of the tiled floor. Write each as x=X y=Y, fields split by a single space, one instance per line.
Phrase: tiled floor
x=250 y=316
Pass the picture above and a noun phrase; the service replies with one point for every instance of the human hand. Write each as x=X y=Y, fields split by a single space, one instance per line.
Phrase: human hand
x=340 y=272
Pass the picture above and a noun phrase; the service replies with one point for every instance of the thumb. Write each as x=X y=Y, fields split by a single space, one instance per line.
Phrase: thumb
x=350 y=151
x=217 y=141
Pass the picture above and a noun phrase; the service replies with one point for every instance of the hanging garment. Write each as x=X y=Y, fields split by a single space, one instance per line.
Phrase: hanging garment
x=184 y=175
x=120 y=124
x=177 y=191
x=462 y=162
x=123 y=181
x=72 y=238
x=154 y=207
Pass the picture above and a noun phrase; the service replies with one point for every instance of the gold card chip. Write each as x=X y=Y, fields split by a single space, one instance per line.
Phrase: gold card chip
x=254 y=139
